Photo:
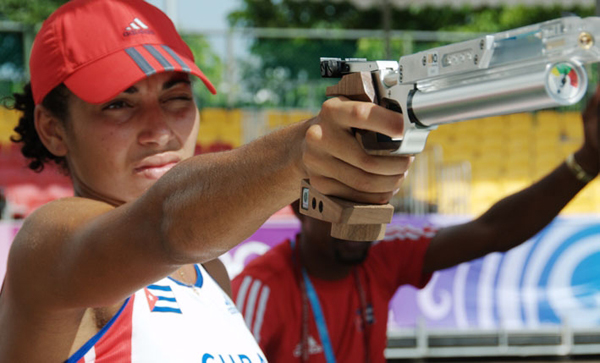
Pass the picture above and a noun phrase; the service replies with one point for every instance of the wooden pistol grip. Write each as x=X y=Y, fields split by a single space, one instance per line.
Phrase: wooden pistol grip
x=355 y=86
x=349 y=221
x=359 y=86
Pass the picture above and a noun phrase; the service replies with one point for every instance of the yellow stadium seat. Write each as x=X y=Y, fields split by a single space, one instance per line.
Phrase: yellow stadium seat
x=524 y=118
x=492 y=121
x=445 y=129
x=486 y=142
x=232 y=135
x=512 y=185
x=485 y=169
x=545 y=143
x=585 y=202
x=437 y=138
x=518 y=129
x=467 y=135
x=452 y=154
x=548 y=117
x=8 y=121
x=492 y=125
x=296 y=116
x=547 y=129
x=485 y=188
x=207 y=134
x=219 y=125
x=213 y=116
x=276 y=119
x=547 y=132
x=484 y=194
x=480 y=206
x=518 y=165
x=519 y=148
x=491 y=156
x=573 y=126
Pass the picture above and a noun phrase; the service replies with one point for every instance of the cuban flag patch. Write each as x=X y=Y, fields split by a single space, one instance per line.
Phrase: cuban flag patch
x=161 y=299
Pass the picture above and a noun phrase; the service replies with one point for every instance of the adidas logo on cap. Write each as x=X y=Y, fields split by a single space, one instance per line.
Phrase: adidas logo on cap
x=137 y=27
x=136 y=24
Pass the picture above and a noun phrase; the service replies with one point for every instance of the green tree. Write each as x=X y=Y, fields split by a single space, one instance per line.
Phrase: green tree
x=30 y=12
x=299 y=56
x=12 y=43
x=509 y=17
x=212 y=66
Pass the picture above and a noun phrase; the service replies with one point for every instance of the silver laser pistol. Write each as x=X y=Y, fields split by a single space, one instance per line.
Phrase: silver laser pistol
x=524 y=69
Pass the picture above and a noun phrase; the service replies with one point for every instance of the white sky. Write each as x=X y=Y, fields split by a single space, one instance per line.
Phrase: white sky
x=200 y=14
x=203 y=15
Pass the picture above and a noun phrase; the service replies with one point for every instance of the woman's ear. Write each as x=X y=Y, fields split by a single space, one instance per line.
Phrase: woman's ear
x=51 y=131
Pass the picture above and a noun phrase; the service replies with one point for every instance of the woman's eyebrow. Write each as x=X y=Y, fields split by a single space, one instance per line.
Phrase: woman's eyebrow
x=131 y=90
x=168 y=84
x=174 y=81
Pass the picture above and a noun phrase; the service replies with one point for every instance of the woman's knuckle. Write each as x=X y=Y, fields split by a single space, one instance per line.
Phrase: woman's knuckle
x=360 y=112
x=314 y=133
x=328 y=108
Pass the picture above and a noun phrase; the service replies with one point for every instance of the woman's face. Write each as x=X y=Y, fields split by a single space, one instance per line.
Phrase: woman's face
x=118 y=149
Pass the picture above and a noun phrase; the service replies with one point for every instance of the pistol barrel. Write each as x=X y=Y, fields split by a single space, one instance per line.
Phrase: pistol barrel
x=538 y=87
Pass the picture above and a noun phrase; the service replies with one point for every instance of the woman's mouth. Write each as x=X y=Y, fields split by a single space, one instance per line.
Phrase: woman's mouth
x=154 y=171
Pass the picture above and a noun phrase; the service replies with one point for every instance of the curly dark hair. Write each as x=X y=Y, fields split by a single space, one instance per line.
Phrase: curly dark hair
x=57 y=102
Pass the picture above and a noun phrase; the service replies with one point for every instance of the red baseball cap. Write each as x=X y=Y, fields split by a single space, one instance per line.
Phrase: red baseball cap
x=99 y=48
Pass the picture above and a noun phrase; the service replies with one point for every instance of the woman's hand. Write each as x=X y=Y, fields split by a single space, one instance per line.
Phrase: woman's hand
x=335 y=161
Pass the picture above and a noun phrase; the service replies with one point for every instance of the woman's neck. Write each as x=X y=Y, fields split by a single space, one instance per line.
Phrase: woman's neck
x=82 y=190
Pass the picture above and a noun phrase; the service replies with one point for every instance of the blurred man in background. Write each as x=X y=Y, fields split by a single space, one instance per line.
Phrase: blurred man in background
x=320 y=299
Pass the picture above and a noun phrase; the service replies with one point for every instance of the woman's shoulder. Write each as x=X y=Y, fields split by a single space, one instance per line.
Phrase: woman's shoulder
x=37 y=251
x=53 y=222
x=65 y=209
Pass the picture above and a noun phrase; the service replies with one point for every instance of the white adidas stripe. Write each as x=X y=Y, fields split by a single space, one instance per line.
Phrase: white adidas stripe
x=249 y=312
x=140 y=23
x=136 y=24
x=260 y=312
x=241 y=297
x=255 y=305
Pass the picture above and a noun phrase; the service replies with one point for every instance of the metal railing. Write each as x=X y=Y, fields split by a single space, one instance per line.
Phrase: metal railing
x=434 y=187
x=545 y=341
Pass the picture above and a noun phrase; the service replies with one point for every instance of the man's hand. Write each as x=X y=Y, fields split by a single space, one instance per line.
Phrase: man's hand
x=588 y=155
x=336 y=163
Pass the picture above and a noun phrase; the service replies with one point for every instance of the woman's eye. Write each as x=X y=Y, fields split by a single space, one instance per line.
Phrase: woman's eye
x=115 y=105
x=180 y=98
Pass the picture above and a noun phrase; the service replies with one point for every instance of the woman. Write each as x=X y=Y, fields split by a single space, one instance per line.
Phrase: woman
x=113 y=273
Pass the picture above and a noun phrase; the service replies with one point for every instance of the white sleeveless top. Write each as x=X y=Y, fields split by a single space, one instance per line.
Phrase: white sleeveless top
x=169 y=321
